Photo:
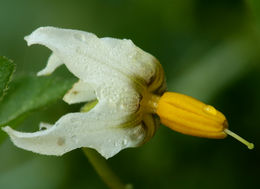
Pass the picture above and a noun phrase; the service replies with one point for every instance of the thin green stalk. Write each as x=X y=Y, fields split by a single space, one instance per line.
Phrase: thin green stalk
x=102 y=168
x=100 y=163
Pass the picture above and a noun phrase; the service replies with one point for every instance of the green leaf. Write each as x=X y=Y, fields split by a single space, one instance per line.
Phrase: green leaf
x=6 y=70
x=29 y=93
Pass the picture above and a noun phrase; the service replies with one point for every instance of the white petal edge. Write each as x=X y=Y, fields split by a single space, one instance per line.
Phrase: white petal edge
x=109 y=66
x=52 y=64
x=85 y=54
x=44 y=126
x=77 y=130
x=80 y=92
x=87 y=57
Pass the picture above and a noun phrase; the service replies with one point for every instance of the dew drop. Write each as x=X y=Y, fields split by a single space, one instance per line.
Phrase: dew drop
x=75 y=139
x=210 y=110
x=125 y=142
x=122 y=106
x=116 y=144
x=80 y=37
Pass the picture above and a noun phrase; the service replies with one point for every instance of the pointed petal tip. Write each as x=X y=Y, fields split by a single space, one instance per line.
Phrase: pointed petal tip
x=27 y=38
x=31 y=38
x=11 y=132
x=29 y=142
x=39 y=74
x=6 y=129
x=67 y=99
x=42 y=73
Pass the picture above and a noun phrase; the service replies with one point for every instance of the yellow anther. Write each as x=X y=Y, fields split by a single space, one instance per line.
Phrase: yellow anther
x=190 y=116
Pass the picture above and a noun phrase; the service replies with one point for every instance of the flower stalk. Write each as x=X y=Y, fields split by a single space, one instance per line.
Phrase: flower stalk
x=103 y=170
x=99 y=163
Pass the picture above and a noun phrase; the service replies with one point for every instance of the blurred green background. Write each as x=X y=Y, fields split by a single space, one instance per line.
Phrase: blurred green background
x=209 y=49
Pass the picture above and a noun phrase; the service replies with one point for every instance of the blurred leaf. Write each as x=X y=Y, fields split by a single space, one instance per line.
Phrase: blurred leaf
x=40 y=172
x=6 y=70
x=19 y=157
x=28 y=94
x=254 y=6
x=217 y=69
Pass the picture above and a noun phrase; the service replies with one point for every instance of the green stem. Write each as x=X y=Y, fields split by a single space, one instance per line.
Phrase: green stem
x=100 y=165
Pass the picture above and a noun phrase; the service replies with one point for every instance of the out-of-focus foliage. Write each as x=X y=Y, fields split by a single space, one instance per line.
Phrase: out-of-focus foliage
x=209 y=50
x=6 y=71
x=217 y=69
x=29 y=93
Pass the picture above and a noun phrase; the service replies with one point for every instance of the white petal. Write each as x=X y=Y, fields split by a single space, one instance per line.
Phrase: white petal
x=90 y=59
x=77 y=130
x=83 y=51
x=114 y=71
x=127 y=57
x=80 y=92
x=52 y=64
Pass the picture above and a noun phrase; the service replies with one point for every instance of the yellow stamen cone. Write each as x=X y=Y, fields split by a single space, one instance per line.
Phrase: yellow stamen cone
x=188 y=115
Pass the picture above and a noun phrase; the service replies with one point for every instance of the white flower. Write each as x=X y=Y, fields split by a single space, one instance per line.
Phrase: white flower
x=121 y=76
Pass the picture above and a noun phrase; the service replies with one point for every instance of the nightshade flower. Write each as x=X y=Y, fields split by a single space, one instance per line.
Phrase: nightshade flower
x=128 y=84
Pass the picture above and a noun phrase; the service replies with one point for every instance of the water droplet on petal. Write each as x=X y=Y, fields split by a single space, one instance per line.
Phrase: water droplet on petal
x=116 y=144
x=80 y=37
x=210 y=110
x=125 y=142
x=75 y=139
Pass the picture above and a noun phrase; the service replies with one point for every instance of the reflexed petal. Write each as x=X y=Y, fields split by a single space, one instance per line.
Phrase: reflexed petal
x=114 y=71
x=77 y=130
x=83 y=51
x=91 y=60
x=80 y=92
x=52 y=64
x=129 y=58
